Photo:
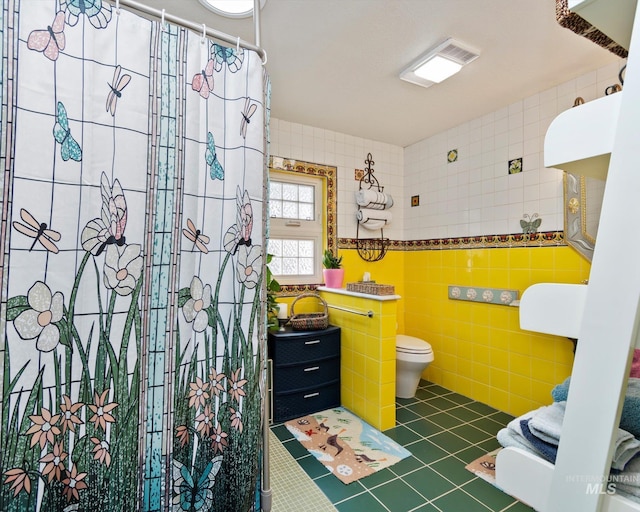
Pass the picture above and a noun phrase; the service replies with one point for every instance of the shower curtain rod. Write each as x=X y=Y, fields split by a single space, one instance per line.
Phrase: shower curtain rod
x=200 y=27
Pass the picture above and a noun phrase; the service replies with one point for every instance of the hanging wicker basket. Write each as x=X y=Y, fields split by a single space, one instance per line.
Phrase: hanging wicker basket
x=309 y=321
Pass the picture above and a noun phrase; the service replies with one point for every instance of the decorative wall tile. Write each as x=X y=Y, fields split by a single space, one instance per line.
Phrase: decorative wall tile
x=539 y=239
x=515 y=166
x=486 y=295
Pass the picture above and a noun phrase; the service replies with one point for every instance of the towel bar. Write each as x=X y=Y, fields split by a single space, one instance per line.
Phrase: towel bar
x=368 y=313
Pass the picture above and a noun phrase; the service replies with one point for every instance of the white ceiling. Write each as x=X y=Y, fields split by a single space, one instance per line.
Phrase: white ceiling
x=334 y=64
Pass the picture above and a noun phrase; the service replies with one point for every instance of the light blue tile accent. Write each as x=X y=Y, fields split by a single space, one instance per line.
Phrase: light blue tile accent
x=160 y=333
x=158 y=377
x=152 y=315
x=149 y=444
x=156 y=456
x=160 y=271
x=163 y=284
x=158 y=407
x=157 y=248
x=166 y=248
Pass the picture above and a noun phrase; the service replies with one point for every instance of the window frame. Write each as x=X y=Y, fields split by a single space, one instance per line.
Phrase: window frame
x=310 y=230
x=328 y=211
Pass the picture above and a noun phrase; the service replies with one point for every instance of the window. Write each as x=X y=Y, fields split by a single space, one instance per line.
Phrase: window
x=302 y=220
x=231 y=8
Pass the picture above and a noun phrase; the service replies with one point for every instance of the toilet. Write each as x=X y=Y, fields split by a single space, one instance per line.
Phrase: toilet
x=413 y=355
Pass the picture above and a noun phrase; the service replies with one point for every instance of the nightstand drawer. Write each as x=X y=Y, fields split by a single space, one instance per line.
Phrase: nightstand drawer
x=309 y=346
x=292 y=405
x=313 y=374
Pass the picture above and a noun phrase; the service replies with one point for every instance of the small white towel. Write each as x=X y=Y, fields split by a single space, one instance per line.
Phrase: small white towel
x=373 y=219
x=373 y=199
x=546 y=423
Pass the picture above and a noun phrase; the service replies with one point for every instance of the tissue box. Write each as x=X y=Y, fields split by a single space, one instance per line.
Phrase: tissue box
x=371 y=288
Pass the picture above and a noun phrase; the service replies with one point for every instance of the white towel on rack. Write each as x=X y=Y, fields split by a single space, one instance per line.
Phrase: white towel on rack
x=373 y=199
x=373 y=219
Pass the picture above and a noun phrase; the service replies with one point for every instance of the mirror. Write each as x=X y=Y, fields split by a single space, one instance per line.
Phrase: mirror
x=582 y=205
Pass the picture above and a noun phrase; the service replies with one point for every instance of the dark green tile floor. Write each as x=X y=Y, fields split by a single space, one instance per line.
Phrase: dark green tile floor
x=443 y=431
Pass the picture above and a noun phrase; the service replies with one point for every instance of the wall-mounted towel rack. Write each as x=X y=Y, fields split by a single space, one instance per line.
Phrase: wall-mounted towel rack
x=363 y=313
x=372 y=214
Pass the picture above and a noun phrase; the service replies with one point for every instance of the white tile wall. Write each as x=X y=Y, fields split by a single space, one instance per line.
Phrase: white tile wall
x=347 y=153
x=474 y=195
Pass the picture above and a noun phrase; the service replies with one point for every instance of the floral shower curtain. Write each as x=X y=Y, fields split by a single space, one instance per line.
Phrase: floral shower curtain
x=132 y=187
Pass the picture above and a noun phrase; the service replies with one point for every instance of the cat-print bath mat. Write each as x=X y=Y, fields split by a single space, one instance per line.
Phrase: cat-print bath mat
x=485 y=466
x=349 y=447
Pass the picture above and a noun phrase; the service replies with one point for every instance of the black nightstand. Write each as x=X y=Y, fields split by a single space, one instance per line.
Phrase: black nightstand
x=306 y=371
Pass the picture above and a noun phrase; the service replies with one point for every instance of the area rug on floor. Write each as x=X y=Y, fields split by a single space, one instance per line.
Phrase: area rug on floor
x=485 y=466
x=349 y=447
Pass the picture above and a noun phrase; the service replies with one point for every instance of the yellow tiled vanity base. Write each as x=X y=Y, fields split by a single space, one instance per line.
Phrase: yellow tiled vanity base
x=368 y=376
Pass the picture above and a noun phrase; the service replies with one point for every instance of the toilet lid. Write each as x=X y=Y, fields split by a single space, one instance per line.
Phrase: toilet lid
x=411 y=345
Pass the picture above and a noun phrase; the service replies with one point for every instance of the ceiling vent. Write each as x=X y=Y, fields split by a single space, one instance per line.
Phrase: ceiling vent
x=439 y=63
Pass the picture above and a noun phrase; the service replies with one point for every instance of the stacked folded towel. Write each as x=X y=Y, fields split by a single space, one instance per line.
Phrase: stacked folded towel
x=373 y=199
x=539 y=432
x=630 y=417
x=628 y=481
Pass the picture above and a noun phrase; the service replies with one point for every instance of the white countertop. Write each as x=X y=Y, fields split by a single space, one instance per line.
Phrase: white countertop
x=343 y=291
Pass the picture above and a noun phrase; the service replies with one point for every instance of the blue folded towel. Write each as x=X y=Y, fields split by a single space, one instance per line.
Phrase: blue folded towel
x=539 y=431
x=630 y=417
x=547 y=450
x=512 y=435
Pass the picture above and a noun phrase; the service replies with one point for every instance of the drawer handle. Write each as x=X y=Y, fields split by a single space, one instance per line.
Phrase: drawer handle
x=311 y=369
x=311 y=342
x=311 y=395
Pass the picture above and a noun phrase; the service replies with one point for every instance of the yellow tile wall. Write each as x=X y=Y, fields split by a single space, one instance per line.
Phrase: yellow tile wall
x=368 y=369
x=479 y=349
x=389 y=270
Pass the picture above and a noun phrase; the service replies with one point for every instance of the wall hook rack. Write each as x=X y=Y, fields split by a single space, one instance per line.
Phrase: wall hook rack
x=372 y=214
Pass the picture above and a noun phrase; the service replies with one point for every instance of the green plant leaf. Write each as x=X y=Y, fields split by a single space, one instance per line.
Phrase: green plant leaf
x=63 y=327
x=15 y=306
x=183 y=296
x=211 y=315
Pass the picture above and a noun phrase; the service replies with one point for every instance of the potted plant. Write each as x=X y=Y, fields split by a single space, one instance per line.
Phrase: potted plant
x=333 y=272
x=273 y=287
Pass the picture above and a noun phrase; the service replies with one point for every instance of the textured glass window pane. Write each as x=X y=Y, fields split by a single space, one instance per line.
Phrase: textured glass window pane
x=290 y=210
x=275 y=247
x=275 y=190
x=275 y=209
x=292 y=201
x=290 y=192
x=305 y=194
x=289 y=248
x=306 y=212
x=306 y=266
x=306 y=248
x=275 y=266
x=290 y=266
x=292 y=257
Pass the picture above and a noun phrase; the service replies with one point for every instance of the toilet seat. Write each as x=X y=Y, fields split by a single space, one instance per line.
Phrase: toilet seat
x=410 y=345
